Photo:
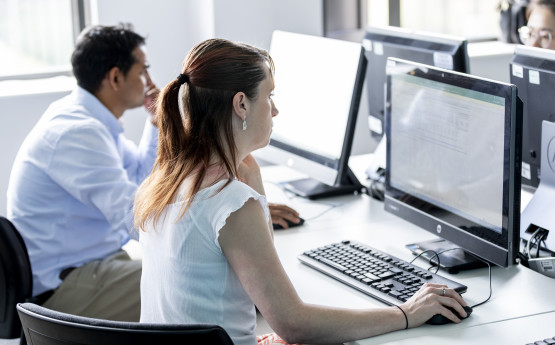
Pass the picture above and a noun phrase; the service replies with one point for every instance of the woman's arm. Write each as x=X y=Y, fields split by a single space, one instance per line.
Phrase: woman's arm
x=253 y=257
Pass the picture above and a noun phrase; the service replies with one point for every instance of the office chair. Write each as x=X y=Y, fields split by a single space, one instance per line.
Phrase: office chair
x=43 y=326
x=16 y=280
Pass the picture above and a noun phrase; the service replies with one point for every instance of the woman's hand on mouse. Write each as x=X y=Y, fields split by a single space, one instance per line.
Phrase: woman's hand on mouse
x=281 y=213
x=433 y=299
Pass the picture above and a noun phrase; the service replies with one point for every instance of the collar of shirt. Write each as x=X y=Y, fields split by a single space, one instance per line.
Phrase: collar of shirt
x=97 y=110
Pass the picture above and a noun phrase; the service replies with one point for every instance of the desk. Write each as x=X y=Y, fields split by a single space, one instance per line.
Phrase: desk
x=522 y=303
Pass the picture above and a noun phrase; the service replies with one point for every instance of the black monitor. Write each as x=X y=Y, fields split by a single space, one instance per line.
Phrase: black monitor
x=380 y=43
x=453 y=158
x=533 y=72
x=318 y=84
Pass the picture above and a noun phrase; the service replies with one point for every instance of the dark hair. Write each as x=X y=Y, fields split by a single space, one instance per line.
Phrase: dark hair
x=100 y=48
x=549 y=4
x=213 y=72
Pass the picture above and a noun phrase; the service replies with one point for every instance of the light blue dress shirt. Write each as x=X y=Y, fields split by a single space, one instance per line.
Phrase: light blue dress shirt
x=72 y=186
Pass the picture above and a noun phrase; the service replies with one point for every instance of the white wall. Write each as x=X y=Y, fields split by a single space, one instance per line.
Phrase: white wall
x=253 y=21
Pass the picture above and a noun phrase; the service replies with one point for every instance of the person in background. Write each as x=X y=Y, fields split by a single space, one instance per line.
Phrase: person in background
x=513 y=14
x=74 y=178
x=541 y=25
x=208 y=253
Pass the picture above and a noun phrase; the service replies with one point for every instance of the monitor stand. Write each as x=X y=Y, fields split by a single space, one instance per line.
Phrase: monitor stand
x=453 y=261
x=312 y=189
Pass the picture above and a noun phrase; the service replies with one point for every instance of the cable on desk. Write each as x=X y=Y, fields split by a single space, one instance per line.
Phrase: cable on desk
x=437 y=254
x=536 y=239
x=330 y=205
x=285 y=192
x=290 y=195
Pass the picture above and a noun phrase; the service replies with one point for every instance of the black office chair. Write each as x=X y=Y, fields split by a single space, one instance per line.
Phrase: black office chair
x=43 y=326
x=16 y=279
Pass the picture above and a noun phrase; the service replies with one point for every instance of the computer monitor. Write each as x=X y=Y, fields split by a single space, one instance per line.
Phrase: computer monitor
x=453 y=157
x=380 y=43
x=318 y=84
x=533 y=72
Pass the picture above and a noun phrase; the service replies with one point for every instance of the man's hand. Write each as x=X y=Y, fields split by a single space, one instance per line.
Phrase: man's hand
x=151 y=96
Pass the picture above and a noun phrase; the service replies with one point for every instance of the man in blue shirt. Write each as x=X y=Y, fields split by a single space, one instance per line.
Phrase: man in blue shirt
x=74 y=179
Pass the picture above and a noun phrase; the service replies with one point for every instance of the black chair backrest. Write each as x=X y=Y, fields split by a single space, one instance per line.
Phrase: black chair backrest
x=16 y=280
x=44 y=326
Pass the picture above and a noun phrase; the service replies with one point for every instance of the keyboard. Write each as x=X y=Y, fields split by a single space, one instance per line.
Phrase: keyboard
x=375 y=273
x=547 y=341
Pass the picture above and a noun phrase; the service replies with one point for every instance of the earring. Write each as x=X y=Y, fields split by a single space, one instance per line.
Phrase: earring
x=245 y=124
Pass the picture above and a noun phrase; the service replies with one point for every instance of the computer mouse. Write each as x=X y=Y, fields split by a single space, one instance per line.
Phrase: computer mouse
x=290 y=223
x=439 y=319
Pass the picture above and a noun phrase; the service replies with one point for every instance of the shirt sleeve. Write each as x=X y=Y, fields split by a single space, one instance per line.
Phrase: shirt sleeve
x=88 y=164
x=139 y=160
x=231 y=199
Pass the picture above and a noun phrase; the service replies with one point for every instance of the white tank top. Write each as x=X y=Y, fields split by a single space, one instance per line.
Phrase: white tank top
x=186 y=278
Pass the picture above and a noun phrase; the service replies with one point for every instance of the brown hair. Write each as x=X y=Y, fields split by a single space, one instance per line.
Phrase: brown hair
x=213 y=72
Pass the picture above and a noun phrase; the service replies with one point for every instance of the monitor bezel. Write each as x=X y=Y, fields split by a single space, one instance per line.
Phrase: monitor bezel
x=442 y=222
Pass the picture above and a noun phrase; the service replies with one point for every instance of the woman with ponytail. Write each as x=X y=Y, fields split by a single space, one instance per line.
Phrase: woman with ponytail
x=208 y=254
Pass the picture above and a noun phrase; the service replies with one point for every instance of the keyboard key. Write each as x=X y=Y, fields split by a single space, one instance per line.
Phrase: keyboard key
x=333 y=264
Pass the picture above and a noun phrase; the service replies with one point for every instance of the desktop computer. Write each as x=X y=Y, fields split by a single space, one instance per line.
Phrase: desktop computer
x=318 y=85
x=453 y=169
x=453 y=158
x=532 y=70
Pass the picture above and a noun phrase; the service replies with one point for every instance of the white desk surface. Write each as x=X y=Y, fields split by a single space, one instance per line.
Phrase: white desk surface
x=520 y=311
x=522 y=302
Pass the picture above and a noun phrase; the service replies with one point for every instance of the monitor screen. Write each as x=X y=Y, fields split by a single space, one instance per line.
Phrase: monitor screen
x=433 y=49
x=318 y=83
x=453 y=149
x=533 y=72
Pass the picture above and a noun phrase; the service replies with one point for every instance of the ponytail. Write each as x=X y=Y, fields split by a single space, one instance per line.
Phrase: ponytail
x=194 y=116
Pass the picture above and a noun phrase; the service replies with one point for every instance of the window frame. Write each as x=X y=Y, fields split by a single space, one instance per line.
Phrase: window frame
x=81 y=17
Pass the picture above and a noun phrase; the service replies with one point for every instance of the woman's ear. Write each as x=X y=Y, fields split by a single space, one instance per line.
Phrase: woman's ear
x=240 y=105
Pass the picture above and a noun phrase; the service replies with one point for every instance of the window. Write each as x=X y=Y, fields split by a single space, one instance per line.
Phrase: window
x=473 y=19
x=37 y=36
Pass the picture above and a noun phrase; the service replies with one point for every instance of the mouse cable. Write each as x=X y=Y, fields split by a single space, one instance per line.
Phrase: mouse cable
x=330 y=207
x=490 y=289
x=437 y=254
x=489 y=273
x=290 y=196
